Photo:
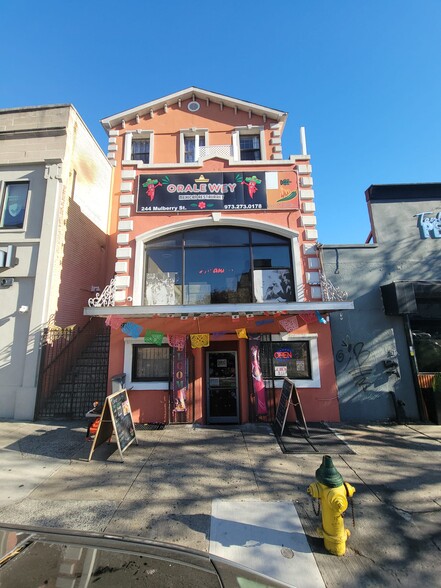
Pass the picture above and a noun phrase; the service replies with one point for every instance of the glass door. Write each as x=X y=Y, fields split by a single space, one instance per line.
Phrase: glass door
x=222 y=387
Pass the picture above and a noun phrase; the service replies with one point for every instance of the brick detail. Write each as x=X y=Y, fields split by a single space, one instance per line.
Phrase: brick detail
x=127 y=199
x=122 y=282
x=124 y=253
x=306 y=194
x=311 y=235
x=308 y=220
x=121 y=267
x=124 y=212
x=308 y=206
x=316 y=293
x=125 y=225
x=123 y=239
x=128 y=174
x=126 y=187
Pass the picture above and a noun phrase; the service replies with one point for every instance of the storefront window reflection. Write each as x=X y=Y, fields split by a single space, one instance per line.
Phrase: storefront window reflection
x=217 y=266
x=427 y=343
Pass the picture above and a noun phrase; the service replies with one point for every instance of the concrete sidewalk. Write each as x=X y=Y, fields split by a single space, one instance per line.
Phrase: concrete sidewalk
x=167 y=485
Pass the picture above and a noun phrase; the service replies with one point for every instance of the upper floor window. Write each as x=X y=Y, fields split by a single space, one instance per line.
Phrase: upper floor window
x=218 y=265
x=13 y=206
x=249 y=147
x=141 y=150
x=191 y=143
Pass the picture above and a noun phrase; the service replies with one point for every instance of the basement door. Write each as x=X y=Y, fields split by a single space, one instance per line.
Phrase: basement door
x=222 y=387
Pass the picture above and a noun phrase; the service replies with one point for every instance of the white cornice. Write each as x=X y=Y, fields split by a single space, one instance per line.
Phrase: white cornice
x=218 y=309
x=116 y=119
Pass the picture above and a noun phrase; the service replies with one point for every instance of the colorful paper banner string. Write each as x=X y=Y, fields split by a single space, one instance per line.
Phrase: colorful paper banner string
x=290 y=324
x=131 y=329
x=320 y=318
x=114 y=322
x=199 y=340
x=177 y=341
x=241 y=333
x=309 y=317
x=153 y=337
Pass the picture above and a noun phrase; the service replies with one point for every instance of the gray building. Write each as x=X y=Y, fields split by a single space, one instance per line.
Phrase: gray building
x=54 y=203
x=387 y=349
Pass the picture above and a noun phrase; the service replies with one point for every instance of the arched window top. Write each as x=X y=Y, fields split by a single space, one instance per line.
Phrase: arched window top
x=218 y=264
x=215 y=236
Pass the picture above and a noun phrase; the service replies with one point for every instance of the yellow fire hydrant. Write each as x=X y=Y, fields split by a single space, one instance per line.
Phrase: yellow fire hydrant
x=333 y=494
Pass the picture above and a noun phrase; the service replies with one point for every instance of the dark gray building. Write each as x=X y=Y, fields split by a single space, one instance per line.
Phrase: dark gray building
x=387 y=349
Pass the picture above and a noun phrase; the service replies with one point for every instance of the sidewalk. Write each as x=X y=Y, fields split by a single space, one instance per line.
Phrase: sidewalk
x=167 y=485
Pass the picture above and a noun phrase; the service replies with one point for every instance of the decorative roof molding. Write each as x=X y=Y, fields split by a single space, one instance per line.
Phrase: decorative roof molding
x=193 y=93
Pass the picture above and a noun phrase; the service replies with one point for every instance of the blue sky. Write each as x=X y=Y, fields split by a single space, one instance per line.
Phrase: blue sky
x=363 y=77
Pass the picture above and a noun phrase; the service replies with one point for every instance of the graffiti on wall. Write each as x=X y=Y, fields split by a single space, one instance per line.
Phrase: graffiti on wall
x=368 y=369
x=429 y=225
x=355 y=360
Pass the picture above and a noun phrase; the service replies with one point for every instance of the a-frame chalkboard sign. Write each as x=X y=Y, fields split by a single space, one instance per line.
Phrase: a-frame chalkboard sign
x=116 y=418
x=289 y=396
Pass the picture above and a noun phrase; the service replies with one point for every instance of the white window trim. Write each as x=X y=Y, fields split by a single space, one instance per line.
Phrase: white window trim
x=129 y=342
x=128 y=139
x=315 y=381
x=230 y=221
x=196 y=133
x=248 y=130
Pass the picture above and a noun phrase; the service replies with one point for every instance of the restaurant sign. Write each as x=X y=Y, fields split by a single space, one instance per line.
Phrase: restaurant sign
x=199 y=192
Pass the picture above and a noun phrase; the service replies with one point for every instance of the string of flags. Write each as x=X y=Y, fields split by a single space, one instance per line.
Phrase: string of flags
x=199 y=340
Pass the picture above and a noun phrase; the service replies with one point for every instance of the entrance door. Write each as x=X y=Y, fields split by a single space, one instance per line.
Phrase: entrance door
x=222 y=388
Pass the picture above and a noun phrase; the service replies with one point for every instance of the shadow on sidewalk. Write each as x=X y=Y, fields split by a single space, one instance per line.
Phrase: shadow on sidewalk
x=60 y=440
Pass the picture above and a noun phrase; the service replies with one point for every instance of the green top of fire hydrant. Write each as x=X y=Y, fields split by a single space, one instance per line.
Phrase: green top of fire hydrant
x=327 y=473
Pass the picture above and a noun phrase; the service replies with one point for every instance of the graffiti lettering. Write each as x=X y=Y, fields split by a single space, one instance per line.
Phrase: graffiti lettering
x=429 y=226
x=355 y=358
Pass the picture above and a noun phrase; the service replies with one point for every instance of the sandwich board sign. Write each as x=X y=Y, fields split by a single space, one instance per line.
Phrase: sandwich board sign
x=289 y=396
x=116 y=417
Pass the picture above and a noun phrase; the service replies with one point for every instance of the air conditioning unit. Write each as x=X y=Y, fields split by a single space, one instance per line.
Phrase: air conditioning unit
x=7 y=257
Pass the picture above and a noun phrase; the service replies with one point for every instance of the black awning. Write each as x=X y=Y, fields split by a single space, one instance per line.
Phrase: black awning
x=403 y=297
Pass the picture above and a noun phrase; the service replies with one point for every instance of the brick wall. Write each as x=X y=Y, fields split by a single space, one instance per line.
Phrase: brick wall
x=83 y=266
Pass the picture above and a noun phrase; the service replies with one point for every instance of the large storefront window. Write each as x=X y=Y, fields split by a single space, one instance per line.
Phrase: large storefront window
x=218 y=265
x=427 y=343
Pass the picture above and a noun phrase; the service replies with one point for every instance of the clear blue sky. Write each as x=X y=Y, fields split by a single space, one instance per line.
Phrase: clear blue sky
x=363 y=77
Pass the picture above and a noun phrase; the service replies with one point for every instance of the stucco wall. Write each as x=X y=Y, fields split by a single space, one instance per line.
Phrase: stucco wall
x=45 y=146
x=365 y=337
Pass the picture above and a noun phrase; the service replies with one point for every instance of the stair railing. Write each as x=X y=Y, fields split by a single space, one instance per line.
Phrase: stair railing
x=60 y=349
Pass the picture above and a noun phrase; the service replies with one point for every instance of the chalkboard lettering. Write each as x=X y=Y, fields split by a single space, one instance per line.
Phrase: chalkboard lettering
x=116 y=418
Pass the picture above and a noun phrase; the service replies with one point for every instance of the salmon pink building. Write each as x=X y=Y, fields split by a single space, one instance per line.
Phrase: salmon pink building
x=217 y=293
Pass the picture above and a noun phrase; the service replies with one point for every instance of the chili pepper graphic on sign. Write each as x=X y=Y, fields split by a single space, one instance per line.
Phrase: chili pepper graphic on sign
x=252 y=185
x=151 y=186
x=290 y=196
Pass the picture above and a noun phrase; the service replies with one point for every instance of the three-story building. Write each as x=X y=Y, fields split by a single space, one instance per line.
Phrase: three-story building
x=216 y=295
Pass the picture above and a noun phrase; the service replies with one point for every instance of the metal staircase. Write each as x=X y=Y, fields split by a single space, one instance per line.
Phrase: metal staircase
x=74 y=371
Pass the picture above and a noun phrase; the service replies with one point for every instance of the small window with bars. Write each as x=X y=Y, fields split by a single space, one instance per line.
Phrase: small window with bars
x=151 y=363
x=141 y=150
